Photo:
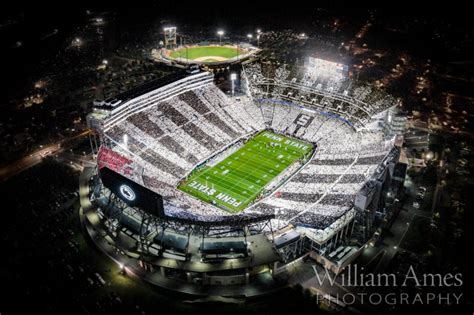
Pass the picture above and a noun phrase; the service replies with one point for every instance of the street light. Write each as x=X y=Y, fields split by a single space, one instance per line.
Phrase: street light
x=233 y=77
x=77 y=42
x=258 y=37
x=220 y=33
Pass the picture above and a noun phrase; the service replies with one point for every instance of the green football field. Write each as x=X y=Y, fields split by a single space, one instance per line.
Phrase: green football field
x=237 y=180
x=205 y=51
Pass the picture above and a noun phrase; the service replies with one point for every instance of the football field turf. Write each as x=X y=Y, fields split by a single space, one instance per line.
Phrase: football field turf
x=237 y=180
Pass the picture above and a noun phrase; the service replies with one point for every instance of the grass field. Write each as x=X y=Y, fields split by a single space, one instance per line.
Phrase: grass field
x=237 y=180
x=205 y=51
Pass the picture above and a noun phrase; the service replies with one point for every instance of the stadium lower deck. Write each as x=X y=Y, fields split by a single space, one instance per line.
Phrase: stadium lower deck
x=159 y=139
x=240 y=178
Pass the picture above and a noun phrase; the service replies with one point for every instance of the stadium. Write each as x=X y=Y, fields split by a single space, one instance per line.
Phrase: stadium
x=202 y=53
x=209 y=194
x=205 y=54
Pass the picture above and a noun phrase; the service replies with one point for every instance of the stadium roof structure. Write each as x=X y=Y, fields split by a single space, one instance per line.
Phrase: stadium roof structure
x=121 y=98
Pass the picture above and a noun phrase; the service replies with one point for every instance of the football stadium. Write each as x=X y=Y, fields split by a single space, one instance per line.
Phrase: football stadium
x=205 y=193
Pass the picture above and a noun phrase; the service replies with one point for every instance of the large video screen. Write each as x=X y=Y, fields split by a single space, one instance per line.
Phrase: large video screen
x=326 y=68
x=132 y=193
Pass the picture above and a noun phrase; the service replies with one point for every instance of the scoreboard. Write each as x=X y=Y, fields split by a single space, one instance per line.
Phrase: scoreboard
x=132 y=193
x=325 y=67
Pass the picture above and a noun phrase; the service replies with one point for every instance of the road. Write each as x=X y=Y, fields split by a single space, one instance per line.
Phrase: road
x=34 y=158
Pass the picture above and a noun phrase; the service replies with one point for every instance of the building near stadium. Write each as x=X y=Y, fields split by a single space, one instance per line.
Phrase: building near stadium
x=206 y=194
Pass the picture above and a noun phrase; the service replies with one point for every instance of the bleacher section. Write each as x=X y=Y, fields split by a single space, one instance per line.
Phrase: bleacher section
x=332 y=94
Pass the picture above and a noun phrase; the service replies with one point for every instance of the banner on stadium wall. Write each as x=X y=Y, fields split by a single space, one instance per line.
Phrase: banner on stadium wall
x=132 y=193
x=114 y=161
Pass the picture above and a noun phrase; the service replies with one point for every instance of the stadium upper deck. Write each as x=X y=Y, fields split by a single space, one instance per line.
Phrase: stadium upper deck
x=317 y=88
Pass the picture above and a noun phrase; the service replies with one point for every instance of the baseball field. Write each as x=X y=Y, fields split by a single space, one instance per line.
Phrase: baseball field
x=206 y=53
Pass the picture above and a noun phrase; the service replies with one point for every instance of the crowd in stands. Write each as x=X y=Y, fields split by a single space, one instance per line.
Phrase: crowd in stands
x=334 y=94
x=171 y=137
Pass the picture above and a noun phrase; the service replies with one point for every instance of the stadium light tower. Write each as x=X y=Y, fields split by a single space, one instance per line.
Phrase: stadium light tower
x=125 y=140
x=170 y=37
x=233 y=77
x=258 y=37
x=220 y=33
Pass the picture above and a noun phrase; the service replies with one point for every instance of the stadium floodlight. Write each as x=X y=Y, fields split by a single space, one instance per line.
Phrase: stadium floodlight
x=249 y=36
x=233 y=77
x=170 y=37
x=220 y=33
x=105 y=62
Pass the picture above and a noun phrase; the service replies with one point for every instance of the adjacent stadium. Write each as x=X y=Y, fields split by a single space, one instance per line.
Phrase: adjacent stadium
x=206 y=54
x=207 y=194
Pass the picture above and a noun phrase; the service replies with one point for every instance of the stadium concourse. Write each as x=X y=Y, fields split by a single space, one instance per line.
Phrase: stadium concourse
x=161 y=137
